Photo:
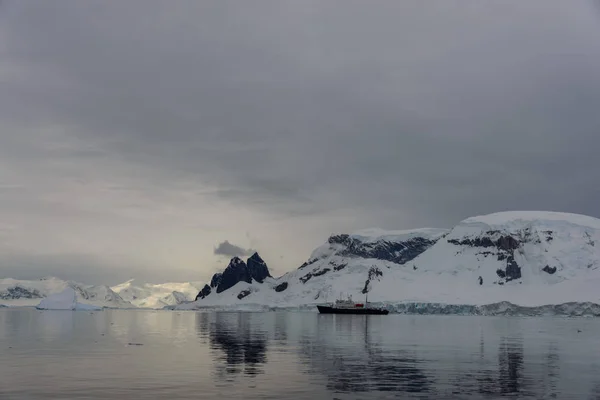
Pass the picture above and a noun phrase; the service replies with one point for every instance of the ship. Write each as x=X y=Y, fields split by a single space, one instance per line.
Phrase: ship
x=350 y=307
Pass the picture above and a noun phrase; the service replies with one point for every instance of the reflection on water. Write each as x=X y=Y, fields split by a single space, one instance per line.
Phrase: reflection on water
x=242 y=345
x=510 y=364
x=364 y=366
x=294 y=355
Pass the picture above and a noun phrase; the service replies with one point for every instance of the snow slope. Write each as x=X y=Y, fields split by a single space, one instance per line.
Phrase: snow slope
x=15 y=292
x=495 y=263
x=527 y=258
x=65 y=300
x=148 y=295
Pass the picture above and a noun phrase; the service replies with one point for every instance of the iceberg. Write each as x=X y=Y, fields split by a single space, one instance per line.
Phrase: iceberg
x=65 y=300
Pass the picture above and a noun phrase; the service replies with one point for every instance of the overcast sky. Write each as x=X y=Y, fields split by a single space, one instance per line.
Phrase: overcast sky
x=152 y=139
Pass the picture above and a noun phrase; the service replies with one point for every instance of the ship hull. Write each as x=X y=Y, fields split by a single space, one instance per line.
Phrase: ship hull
x=356 y=311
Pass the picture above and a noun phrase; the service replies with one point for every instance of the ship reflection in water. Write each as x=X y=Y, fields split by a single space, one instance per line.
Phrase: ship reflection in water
x=369 y=356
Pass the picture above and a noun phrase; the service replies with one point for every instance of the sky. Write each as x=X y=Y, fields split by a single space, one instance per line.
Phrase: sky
x=154 y=140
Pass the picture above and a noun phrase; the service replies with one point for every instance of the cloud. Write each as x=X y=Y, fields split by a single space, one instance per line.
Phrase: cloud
x=143 y=137
x=231 y=250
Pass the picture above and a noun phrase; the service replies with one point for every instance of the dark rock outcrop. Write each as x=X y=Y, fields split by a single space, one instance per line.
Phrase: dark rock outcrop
x=236 y=271
x=216 y=279
x=550 y=270
x=507 y=243
x=19 y=292
x=374 y=272
x=307 y=277
x=206 y=290
x=513 y=271
x=396 y=252
x=243 y=294
x=307 y=263
x=281 y=287
x=257 y=268
x=339 y=267
x=505 y=246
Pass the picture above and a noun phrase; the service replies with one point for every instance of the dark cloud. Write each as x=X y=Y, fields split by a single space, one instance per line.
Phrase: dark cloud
x=291 y=120
x=227 y=249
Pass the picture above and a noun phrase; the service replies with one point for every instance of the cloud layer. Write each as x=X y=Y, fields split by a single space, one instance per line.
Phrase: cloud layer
x=136 y=133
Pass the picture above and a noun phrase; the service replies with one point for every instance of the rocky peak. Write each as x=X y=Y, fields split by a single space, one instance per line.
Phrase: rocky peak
x=216 y=279
x=343 y=239
x=258 y=268
x=236 y=271
x=206 y=290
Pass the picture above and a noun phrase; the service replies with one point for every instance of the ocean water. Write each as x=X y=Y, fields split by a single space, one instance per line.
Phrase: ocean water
x=118 y=354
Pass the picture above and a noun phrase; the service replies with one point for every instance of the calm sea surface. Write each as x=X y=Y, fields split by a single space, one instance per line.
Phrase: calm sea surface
x=230 y=355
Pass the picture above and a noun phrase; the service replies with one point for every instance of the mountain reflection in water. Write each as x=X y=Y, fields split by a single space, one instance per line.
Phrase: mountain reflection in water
x=420 y=356
x=243 y=345
x=294 y=355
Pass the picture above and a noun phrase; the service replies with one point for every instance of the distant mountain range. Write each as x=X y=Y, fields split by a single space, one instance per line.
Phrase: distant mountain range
x=522 y=263
x=15 y=292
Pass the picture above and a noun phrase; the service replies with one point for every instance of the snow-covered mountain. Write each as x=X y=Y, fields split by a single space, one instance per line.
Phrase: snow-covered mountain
x=527 y=259
x=15 y=292
x=147 y=295
x=345 y=264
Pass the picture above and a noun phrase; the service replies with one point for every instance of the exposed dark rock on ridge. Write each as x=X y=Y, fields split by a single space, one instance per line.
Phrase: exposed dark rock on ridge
x=236 y=271
x=216 y=279
x=318 y=272
x=257 y=268
x=206 y=290
x=396 y=252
